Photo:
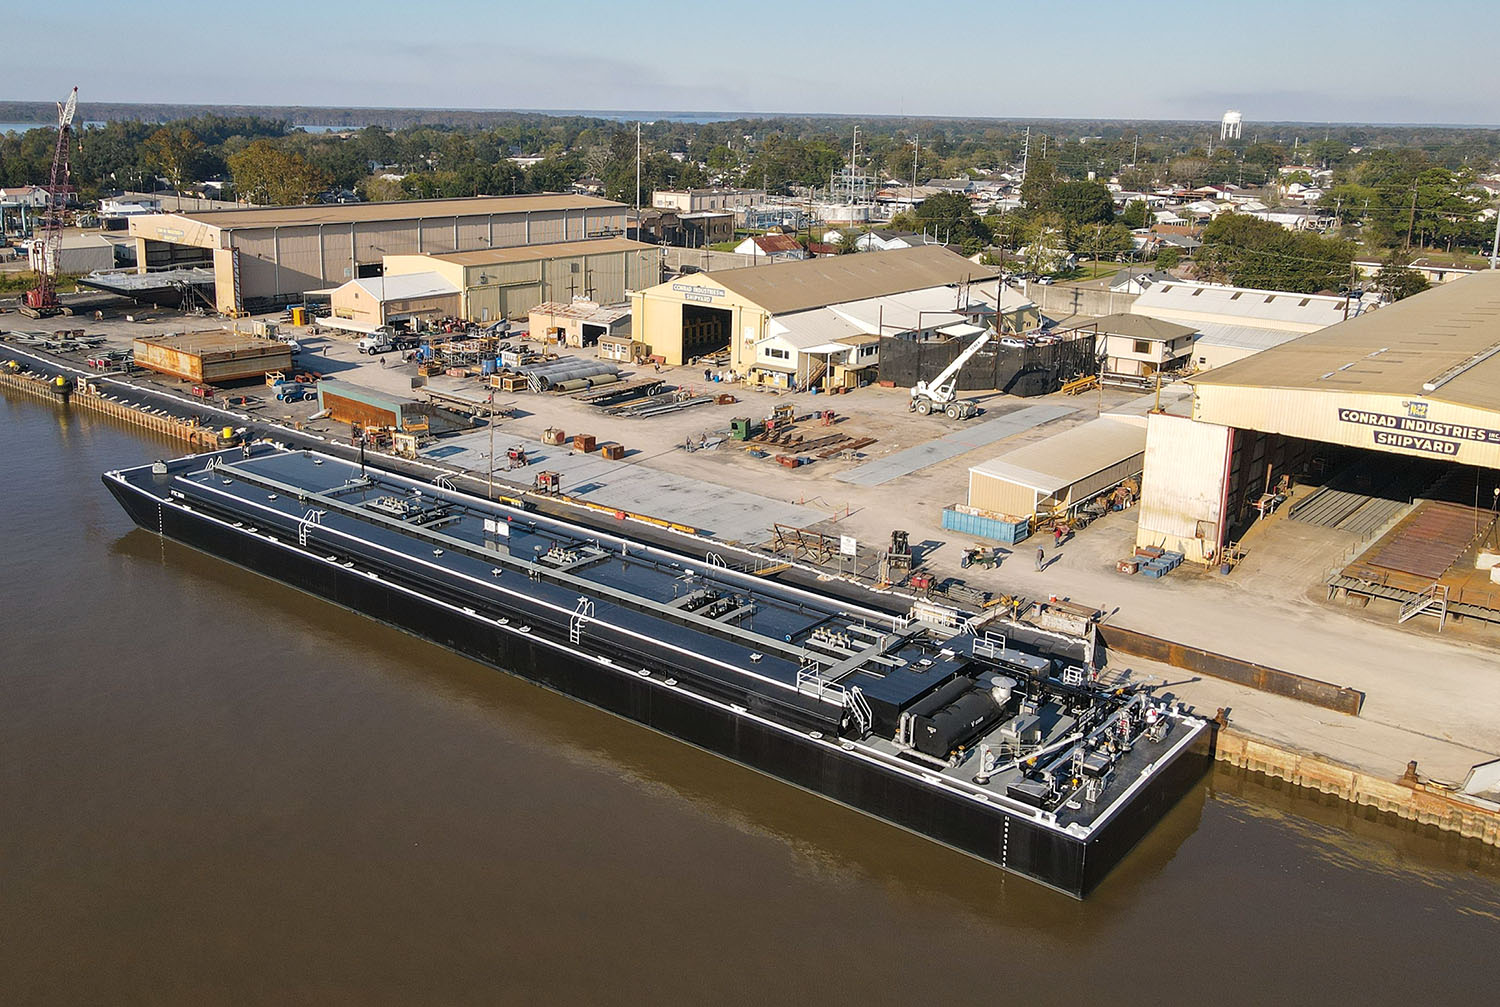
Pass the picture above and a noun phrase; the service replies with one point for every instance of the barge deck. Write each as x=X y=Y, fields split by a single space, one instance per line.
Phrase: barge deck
x=931 y=720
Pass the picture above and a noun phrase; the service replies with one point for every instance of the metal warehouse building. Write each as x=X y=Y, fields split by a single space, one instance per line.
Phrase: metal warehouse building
x=263 y=256
x=754 y=310
x=1409 y=393
x=1059 y=474
x=501 y=283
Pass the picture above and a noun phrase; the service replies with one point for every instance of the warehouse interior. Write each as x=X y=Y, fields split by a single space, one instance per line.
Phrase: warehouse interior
x=705 y=330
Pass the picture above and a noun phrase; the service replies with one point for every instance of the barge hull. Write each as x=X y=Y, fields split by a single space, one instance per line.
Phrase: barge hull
x=542 y=654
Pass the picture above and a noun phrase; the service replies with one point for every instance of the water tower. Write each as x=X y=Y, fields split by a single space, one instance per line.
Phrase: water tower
x=1230 y=125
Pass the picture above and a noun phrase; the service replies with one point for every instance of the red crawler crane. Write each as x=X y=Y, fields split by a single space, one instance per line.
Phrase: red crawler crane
x=41 y=300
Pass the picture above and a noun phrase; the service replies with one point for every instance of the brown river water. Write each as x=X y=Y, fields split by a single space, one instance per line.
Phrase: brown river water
x=214 y=789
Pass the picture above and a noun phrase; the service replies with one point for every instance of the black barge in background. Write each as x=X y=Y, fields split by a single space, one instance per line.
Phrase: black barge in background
x=930 y=722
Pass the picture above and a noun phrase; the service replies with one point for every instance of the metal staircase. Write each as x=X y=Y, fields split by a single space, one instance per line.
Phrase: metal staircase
x=1433 y=599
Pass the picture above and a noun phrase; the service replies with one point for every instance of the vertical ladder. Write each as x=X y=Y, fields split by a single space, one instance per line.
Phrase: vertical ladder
x=581 y=615
x=859 y=707
x=304 y=526
x=234 y=268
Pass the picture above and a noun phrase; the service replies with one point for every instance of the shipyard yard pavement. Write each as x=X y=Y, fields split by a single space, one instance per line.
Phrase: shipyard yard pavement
x=1429 y=697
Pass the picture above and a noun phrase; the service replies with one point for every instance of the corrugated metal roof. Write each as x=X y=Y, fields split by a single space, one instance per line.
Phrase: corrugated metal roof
x=1168 y=299
x=809 y=329
x=588 y=311
x=405 y=286
x=1141 y=327
x=783 y=287
x=1243 y=337
x=913 y=310
x=556 y=250
x=406 y=209
x=1395 y=350
x=1063 y=459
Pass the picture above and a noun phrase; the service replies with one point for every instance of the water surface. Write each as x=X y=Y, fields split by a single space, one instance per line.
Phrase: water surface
x=216 y=789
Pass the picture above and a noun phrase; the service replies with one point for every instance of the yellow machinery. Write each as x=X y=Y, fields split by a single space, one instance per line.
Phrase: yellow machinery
x=405 y=444
x=1080 y=385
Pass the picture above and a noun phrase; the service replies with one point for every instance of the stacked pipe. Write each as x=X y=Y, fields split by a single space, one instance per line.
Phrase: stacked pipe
x=553 y=372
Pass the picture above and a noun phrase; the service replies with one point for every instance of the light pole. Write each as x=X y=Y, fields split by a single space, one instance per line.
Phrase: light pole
x=1495 y=248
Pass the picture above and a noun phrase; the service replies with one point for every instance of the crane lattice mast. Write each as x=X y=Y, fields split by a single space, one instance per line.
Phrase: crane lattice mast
x=43 y=297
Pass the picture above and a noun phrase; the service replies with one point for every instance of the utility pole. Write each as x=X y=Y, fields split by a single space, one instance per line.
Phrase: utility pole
x=1135 y=156
x=1412 y=221
x=638 y=180
x=1025 y=154
x=916 y=145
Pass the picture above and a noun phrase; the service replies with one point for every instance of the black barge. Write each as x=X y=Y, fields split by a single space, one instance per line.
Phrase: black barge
x=934 y=721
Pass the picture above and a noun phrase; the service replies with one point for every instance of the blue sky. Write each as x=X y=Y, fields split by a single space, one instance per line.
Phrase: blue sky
x=1319 y=60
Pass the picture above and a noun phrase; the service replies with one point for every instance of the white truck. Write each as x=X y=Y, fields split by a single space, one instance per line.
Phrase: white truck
x=385 y=339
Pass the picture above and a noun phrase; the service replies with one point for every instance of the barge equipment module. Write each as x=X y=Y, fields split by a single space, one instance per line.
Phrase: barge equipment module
x=1004 y=750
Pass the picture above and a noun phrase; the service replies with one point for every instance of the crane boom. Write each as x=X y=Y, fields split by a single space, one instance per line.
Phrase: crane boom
x=941 y=388
x=66 y=111
x=42 y=299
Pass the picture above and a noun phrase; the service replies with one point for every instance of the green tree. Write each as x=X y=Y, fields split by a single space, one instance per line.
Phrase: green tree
x=1168 y=257
x=1257 y=253
x=1396 y=281
x=1135 y=214
x=1081 y=203
x=848 y=242
x=173 y=151
x=950 y=217
x=264 y=173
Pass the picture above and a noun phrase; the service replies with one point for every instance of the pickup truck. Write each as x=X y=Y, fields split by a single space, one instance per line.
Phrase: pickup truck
x=385 y=339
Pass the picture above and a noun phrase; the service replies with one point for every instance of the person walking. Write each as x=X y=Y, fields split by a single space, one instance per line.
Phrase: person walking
x=1057 y=536
x=1041 y=559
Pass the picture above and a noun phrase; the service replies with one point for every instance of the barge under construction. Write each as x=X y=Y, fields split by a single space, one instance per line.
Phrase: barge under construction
x=932 y=721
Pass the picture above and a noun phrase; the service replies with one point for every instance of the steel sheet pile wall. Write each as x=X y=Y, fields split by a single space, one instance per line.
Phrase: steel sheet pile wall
x=1032 y=370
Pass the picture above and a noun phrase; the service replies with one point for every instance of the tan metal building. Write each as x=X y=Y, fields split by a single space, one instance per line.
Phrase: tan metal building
x=1060 y=473
x=365 y=304
x=582 y=323
x=734 y=309
x=508 y=282
x=1417 y=379
x=262 y=256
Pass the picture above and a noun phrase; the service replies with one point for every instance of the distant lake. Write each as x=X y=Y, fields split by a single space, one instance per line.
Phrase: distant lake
x=623 y=116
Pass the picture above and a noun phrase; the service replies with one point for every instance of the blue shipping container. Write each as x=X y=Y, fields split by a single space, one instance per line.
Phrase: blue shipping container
x=1009 y=532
